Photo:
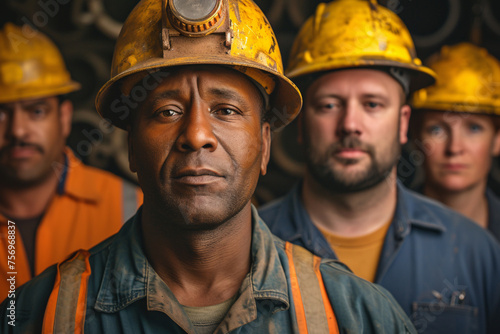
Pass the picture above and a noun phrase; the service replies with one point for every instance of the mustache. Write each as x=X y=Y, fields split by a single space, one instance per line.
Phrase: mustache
x=351 y=142
x=22 y=144
x=197 y=165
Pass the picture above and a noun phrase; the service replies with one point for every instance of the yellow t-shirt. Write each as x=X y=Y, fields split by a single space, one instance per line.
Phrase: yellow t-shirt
x=360 y=254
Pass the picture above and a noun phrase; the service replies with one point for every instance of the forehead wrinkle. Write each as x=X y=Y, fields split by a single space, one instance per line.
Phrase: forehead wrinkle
x=168 y=94
x=228 y=95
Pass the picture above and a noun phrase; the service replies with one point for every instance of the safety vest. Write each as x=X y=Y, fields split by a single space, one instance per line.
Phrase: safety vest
x=73 y=220
x=65 y=311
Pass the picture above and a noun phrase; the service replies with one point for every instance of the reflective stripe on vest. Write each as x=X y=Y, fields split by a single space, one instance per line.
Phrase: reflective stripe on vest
x=65 y=312
x=313 y=309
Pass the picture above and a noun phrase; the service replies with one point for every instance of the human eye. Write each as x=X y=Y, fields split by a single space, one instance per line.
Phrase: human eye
x=327 y=106
x=434 y=130
x=3 y=115
x=167 y=114
x=373 y=105
x=475 y=128
x=226 y=112
x=38 y=112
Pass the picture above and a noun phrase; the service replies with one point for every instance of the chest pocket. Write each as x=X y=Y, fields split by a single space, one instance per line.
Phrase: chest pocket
x=438 y=317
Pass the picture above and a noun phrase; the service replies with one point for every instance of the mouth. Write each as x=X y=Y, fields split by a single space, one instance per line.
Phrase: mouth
x=197 y=176
x=350 y=153
x=22 y=151
x=454 y=167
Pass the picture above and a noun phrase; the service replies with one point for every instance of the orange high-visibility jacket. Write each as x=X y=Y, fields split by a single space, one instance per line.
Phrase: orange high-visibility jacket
x=91 y=206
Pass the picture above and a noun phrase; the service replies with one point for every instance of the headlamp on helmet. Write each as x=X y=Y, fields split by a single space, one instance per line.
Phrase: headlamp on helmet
x=195 y=17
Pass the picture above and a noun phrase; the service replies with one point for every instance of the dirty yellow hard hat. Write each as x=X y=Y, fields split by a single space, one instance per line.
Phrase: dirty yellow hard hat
x=161 y=34
x=468 y=80
x=31 y=66
x=347 y=34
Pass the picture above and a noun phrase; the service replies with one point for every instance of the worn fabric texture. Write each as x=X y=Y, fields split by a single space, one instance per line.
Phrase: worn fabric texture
x=442 y=268
x=125 y=295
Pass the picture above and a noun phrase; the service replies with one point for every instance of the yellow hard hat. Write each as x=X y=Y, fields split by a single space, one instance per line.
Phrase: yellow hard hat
x=468 y=80
x=166 y=33
x=347 y=34
x=31 y=66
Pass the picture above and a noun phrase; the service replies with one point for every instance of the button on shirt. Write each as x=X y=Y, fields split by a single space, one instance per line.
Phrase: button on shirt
x=442 y=268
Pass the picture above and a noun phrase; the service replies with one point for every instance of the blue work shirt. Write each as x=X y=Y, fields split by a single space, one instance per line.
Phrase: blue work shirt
x=493 y=213
x=431 y=258
x=126 y=295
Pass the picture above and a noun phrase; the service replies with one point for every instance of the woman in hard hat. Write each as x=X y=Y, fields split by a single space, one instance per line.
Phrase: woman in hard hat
x=456 y=125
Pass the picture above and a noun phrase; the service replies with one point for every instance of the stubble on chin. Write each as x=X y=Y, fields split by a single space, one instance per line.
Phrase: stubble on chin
x=331 y=172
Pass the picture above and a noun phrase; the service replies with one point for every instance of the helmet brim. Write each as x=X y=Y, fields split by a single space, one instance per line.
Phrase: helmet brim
x=285 y=103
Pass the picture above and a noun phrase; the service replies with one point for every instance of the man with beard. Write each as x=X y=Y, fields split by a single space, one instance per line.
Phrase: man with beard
x=356 y=64
x=196 y=257
x=50 y=203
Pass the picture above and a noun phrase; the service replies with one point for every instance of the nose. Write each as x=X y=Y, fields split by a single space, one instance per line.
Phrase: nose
x=350 y=122
x=197 y=131
x=16 y=125
x=455 y=143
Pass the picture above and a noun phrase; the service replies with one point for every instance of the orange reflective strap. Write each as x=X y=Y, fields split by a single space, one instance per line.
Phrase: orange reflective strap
x=333 y=327
x=65 y=311
x=313 y=309
x=297 y=298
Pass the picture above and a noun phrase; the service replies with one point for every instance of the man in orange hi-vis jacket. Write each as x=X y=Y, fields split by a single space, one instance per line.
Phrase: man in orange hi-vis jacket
x=50 y=203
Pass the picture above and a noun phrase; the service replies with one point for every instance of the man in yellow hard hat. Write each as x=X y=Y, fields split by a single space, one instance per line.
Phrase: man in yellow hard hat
x=204 y=83
x=456 y=124
x=356 y=64
x=50 y=203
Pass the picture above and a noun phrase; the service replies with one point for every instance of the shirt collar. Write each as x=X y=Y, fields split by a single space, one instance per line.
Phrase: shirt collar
x=304 y=228
x=128 y=276
x=295 y=208
x=410 y=211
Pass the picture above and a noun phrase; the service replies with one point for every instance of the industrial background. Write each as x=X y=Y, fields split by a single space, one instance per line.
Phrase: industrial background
x=86 y=30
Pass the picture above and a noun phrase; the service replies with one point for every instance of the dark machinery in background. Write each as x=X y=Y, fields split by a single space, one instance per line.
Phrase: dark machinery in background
x=85 y=30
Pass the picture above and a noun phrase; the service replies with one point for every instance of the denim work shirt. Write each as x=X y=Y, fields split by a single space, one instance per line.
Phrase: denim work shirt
x=443 y=269
x=126 y=295
x=493 y=213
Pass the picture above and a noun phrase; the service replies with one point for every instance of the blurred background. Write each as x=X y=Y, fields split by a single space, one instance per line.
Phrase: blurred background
x=86 y=30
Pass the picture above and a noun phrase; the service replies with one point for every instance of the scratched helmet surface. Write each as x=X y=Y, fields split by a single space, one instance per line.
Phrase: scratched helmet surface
x=468 y=80
x=356 y=33
x=159 y=34
x=31 y=66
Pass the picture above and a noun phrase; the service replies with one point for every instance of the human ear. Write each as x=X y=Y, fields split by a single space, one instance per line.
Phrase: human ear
x=65 y=115
x=266 y=147
x=404 y=120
